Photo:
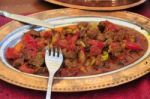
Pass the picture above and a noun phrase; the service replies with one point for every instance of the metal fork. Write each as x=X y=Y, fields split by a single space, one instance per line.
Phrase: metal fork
x=53 y=60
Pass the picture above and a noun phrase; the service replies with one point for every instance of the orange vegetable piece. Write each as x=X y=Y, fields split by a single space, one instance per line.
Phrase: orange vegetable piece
x=18 y=46
x=72 y=26
x=59 y=29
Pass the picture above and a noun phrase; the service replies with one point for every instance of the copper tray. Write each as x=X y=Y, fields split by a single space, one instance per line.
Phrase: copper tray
x=75 y=84
x=103 y=5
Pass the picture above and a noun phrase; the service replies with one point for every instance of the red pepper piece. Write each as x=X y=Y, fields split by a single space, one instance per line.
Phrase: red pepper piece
x=11 y=53
x=94 y=50
x=47 y=34
x=72 y=41
x=31 y=45
x=96 y=47
x=110 y=26
x=69 y=42
x=96 y=43
x=121 y=57
x=63 y=43
x=75 y=37
x=27 y=38
x=133 y=46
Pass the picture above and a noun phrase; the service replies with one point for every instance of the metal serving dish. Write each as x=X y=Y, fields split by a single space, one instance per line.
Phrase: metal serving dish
x=105 y=5
x=16 y=35
x=99 y=3
x=14 y=32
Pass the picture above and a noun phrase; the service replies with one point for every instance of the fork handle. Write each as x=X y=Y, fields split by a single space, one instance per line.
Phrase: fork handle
x=49 y=88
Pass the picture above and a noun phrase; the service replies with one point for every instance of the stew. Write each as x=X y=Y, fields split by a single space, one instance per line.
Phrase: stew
x=89 y=48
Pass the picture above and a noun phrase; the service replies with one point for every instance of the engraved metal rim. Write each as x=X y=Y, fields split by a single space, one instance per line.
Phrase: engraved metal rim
x=97 y=8
x=67 y=17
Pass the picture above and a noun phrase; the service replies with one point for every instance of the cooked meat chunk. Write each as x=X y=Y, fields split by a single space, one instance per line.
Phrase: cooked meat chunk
x=65 y=72
x=69 y=54
x=83 y=27
x=92 y=33
x=34 y=33
x=100 y=37
x=116 y=48
x=38 y=60
x=69 y=63
x=18 y=62
x=101 y=28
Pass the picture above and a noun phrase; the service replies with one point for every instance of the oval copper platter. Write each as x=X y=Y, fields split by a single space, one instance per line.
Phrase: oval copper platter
x=75 y=84
x=103 y=5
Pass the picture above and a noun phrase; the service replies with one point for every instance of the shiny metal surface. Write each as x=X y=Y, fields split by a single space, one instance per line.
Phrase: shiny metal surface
x=99 y=3
x=26 y=19
x=15 y=36
x=53 y=61
x=59 y=17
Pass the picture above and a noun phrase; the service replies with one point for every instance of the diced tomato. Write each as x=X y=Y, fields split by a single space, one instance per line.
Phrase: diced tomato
x=133 y=46
x=72 y=41
x=121 y=57
x=63 y=43
x=30 y=45
x=68 y=37
x=26 y=69
x=72 y=46
x=75 y=37
x=114 y=45
x=47 y=34
x=95 y=50
x=93 y=42
x=110 y=26
x=27 y=38
x=96 y=47
x=66 y=44
x=41 y=43
x=69 y=42
x=32 y=52
x=99 y=44
x=11 y=53
x=30 y=41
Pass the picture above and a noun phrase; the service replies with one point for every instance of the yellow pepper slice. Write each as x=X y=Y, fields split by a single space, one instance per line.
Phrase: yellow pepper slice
x=104 y=56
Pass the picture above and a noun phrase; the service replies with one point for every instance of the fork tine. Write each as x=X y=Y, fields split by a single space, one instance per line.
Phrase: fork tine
x=60 y=53
x=52 y=51
x=47 y=51
x=56 y=52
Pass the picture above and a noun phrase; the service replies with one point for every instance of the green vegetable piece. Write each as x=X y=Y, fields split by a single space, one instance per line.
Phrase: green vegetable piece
x=104 y=56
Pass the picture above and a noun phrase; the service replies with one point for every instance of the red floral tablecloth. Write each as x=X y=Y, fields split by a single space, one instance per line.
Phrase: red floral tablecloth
x=138 y=89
